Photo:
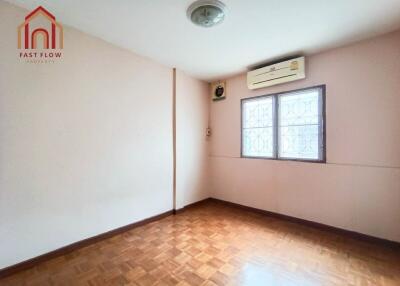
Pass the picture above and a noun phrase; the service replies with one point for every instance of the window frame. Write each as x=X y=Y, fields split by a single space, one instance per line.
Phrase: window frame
x=275 y=119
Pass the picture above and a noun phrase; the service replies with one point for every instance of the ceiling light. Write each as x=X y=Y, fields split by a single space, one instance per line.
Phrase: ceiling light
x=206 y=13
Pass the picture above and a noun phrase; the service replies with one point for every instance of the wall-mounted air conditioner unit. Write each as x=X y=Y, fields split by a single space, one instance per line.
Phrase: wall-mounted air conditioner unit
x=282 y=72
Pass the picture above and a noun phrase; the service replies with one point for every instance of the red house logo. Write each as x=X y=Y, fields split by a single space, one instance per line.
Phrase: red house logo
x=40 y=28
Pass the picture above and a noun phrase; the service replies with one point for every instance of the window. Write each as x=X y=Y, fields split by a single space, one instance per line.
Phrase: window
x=286 y=126
x=258 y=127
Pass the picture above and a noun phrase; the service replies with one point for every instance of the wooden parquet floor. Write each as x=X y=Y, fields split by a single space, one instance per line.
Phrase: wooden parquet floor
x=214 y=244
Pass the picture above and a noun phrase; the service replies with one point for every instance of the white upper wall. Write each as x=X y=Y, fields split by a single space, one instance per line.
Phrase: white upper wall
x=254 y=30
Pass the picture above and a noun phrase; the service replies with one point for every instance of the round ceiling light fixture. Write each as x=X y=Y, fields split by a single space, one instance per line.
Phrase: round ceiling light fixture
x=206 y=13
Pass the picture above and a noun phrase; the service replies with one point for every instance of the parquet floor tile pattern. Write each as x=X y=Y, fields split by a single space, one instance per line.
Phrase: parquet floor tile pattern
x=214 y=244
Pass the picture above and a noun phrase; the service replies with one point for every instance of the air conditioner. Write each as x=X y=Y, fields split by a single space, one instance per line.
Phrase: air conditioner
x=282 y=72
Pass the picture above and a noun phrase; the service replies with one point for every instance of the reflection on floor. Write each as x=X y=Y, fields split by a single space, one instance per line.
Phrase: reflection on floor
x=214 y=244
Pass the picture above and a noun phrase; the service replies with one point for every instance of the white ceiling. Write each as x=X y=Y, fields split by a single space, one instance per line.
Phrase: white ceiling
x=254 y=31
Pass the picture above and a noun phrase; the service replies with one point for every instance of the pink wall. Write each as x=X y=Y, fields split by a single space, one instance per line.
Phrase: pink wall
x=359 y=187
x=192 y=114
x=85 y=143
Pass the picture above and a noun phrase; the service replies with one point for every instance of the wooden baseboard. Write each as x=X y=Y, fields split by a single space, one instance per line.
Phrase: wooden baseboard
x=82 y=243
x=76 y=245
x=324 y=227
x=192 y=205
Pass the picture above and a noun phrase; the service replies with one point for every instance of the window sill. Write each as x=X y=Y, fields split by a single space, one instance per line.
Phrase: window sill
x=284 y=159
